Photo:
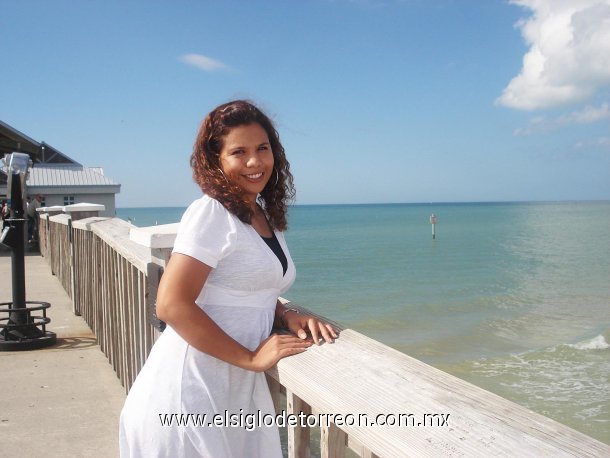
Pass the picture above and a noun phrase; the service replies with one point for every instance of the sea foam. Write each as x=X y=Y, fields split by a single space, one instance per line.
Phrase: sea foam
x=596 y=343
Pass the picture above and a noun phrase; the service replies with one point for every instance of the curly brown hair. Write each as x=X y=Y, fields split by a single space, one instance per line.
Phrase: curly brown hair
x=205 y=161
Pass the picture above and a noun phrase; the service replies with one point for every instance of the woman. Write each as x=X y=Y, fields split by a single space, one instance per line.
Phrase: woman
x=219 y=298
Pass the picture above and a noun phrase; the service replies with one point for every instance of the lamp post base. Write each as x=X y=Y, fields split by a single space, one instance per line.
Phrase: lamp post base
x=21 y=330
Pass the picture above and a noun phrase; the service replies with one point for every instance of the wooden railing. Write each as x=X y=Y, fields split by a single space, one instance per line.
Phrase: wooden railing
x=112 y=283
x=112 y=277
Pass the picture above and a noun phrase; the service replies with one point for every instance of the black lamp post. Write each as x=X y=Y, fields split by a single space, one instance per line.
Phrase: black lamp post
x=19 y=329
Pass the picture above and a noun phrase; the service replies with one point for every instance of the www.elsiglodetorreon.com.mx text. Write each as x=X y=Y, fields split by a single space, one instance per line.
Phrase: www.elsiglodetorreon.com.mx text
x=250 y=421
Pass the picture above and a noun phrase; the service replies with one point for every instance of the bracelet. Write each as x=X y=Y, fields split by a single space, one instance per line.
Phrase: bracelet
x=285 y=312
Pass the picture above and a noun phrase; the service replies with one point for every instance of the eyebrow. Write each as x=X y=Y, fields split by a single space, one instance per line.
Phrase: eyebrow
x=238 y=146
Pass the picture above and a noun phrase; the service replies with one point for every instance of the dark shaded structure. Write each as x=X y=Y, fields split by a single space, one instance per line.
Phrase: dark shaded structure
x=19 y=328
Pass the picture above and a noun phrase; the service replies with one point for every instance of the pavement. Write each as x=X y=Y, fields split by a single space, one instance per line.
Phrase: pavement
x=63 y=400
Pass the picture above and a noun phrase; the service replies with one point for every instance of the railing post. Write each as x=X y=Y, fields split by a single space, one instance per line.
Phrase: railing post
x=275 y=389
x=42 y=233
x=298 y=436
x=51 y=245
x=366 y=453
x=83 y=210
x=44 y=214
x=75 y=304
x=332 y=441
x=160 y=241
x=153 y=277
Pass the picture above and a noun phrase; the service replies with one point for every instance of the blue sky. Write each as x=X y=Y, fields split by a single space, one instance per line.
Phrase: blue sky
x=375 y=101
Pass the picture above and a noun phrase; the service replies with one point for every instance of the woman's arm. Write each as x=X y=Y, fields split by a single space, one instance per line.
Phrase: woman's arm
x=180 y=286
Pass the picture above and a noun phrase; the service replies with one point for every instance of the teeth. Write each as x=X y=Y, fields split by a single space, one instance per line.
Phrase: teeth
x=255 y=176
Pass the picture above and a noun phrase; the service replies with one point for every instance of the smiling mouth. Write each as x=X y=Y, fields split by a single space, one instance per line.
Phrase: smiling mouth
x=255 y=176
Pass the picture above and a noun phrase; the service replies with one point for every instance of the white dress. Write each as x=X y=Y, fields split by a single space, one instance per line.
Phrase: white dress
x=240 y=295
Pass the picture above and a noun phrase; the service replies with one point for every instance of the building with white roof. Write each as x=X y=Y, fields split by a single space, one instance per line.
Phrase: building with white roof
x=59 y=179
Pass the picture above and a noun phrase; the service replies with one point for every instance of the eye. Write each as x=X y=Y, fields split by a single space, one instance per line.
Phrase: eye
x=264 y=148
x=237 y=152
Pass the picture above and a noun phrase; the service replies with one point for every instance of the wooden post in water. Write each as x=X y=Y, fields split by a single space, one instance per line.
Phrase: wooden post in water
x=433 y=220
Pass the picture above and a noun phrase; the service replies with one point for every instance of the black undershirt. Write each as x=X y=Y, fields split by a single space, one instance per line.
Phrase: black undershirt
x=275 y=246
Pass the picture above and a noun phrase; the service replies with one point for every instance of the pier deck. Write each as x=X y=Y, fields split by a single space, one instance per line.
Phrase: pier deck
x=60 y=401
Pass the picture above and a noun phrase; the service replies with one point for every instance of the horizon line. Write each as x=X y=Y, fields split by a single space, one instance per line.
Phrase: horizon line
x=415 y=203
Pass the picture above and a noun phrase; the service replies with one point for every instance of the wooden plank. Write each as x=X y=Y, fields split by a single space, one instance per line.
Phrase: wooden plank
x=81 y=281
x=67 y=258
x=73 y=267
x=360 y=449
x=107 y=297
x=119 y=322
x=119 y=336
x=299 y=435
x=96 y=275
x=42 y=234
x=133 y=329
x=143 y=342
x=136 y=333
x=86 y=280
x=151 y=284
x=274 y=389
x=332 y=441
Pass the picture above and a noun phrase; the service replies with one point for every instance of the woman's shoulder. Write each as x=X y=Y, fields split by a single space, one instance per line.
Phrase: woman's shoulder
x=207 y=231
x=208 y=206
x=206 y=200
x=209 y=214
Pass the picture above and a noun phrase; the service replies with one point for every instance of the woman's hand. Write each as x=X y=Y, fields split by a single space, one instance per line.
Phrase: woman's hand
x=299 y=324
x=276 y=347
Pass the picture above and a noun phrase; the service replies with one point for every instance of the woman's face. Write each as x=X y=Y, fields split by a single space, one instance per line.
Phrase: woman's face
x=246 y=159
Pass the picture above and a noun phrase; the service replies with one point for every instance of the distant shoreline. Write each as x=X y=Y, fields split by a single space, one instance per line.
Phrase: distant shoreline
x=423 y=204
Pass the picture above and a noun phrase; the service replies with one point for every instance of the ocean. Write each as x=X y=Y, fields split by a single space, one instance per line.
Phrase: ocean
x=513 y=297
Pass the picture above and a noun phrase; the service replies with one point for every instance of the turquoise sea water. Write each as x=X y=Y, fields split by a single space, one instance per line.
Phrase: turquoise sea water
x=513 y=297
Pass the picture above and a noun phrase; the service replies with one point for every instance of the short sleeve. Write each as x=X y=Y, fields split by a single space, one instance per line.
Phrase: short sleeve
x=207 y=232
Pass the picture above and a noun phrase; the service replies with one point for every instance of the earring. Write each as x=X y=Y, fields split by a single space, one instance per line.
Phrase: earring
x=223 y=174
x=277 y=177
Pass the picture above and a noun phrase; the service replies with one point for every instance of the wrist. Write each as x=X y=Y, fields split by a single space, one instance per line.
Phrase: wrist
x=283 y=317
x=250 y=363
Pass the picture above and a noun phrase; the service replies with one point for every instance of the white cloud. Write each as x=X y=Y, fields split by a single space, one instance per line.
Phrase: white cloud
x=588 y=115
x=601 y=142
x=203 y=62
x=569 y=54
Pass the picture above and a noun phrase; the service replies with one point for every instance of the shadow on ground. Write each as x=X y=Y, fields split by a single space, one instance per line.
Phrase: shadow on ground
x=74 y=343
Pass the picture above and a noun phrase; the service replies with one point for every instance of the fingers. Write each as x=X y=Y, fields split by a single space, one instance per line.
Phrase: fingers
x=300 y=324
x=325 y=333
x=287 y=345
x=312 y=323
x=319 y=327
x=283 y=341
x=276 y=347
x=332 y=330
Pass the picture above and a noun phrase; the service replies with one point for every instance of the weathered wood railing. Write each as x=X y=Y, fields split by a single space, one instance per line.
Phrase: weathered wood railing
x=113 y=278
x=112 y=283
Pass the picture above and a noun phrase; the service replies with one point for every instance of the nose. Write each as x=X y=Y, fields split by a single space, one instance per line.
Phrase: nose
x=253 y=160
